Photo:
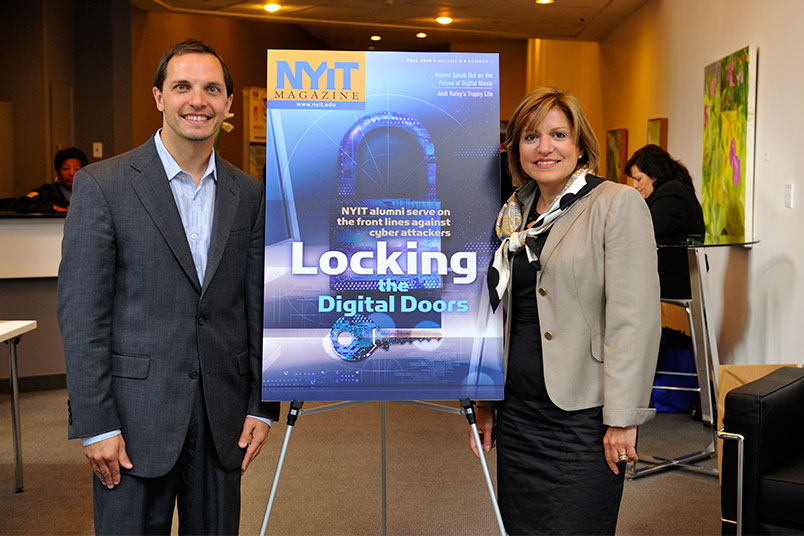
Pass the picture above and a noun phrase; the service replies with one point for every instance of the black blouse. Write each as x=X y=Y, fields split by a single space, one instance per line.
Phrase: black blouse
x=525 y=379
x=676 y=215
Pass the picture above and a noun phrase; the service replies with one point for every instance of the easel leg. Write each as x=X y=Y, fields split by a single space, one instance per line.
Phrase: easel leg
x=384 y=470
x=293 y=414
x=469 y=411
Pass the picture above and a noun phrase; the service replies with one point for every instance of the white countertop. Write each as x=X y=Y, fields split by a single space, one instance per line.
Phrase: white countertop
x=12 y=328
x=30 y=247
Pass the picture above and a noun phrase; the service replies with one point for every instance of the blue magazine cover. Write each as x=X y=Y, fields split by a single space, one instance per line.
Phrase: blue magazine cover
x=382 y=185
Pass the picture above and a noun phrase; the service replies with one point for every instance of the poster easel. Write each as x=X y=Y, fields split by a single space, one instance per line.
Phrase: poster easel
x=295 y=412
x=382 y=175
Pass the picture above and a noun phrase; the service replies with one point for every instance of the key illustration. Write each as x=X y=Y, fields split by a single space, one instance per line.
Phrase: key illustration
x=354 y=338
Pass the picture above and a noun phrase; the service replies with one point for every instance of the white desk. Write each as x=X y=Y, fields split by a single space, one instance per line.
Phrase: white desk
x=31 y=245
x=11 y=332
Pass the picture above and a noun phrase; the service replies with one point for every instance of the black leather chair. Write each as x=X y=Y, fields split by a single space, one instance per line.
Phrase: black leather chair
x=764 y=419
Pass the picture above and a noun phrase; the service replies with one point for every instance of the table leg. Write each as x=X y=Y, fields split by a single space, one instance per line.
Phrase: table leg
x=15 y=413
x=706 y=365
x=703 y=336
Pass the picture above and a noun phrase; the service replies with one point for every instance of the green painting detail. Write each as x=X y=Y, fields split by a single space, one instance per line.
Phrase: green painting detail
x=657 y=132
x=616 y=147
x=726 y=178
x=654 y=132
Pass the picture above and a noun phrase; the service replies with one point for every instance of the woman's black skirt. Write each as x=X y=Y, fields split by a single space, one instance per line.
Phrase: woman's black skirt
x=552 y=476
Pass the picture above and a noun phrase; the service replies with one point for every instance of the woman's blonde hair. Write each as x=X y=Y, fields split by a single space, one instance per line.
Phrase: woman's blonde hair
x=532 y=111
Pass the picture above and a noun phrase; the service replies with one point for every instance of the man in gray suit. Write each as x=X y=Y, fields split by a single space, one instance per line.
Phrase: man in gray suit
x=160 y=309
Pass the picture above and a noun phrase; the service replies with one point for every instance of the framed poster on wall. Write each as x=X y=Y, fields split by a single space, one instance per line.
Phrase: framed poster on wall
x=657 y=132
x=381 y=193
x=727 y=195
x=254 y=130
x=616 y=154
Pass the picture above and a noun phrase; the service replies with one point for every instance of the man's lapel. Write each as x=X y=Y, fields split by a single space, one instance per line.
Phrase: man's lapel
x=152 y=187
x=227 y=197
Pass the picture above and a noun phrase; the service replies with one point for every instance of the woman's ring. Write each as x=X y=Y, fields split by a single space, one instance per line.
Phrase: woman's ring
x=623 y=456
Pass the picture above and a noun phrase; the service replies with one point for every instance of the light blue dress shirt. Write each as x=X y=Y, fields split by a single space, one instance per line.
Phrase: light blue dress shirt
x=196 y=206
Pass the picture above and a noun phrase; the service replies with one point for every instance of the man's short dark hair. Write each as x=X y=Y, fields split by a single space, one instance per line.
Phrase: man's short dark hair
x=69 y=152
x=190 y=46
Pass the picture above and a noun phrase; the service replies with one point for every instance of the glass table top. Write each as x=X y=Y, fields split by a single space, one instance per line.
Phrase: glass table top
x=701 y=241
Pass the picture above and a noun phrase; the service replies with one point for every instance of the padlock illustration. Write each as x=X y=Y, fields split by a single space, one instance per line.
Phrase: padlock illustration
x=377 y=229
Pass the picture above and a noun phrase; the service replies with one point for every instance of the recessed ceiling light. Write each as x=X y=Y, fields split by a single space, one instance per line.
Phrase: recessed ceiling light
x=443 y=20
x=421 y=35
x=544 y=1
x=376 y=37
x=272 y=8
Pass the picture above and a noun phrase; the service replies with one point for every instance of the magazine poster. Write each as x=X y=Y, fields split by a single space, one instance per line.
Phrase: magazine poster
x=382 y=187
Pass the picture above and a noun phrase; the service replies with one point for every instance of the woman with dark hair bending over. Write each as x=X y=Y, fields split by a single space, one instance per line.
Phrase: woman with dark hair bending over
x=576 y=272
x=667 y=188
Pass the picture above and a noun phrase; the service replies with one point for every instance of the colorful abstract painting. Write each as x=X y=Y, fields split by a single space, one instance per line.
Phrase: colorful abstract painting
x=657 y=132
x=616 y=154
x=728 y=144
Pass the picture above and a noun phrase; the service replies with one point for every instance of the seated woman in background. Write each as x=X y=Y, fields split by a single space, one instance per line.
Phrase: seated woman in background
x=667 y=187
x=52 y=196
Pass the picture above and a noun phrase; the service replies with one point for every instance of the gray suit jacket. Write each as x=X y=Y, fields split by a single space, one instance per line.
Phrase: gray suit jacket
x=140 y=331
x=599 y=309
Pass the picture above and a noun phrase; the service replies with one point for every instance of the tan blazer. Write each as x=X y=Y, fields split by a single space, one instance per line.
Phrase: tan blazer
x=599 y=309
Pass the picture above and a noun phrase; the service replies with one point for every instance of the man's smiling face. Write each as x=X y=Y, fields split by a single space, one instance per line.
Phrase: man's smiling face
x=193 y=99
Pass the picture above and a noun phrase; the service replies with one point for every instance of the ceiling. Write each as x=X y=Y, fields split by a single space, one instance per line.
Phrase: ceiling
x=348 y=24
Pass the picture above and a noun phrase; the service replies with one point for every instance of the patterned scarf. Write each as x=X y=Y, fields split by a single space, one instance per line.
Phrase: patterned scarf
x=510 y=219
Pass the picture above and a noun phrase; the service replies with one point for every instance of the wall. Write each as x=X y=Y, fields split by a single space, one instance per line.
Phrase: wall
x=6 y=149
x=60 y=80
x=574 y=67
x=63 y=58
x=241 y=43
x=103 y=66
x=652 y=66
x=23 y=60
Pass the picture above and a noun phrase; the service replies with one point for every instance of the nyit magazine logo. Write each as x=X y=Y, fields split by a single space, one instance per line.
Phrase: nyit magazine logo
x=304 y=79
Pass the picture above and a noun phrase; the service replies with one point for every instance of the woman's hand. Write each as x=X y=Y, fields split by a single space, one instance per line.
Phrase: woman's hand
x=618 y=441
x=485 y=429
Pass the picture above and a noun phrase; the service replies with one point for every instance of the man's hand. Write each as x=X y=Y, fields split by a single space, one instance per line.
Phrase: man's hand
x=106 y=457
x=254 y=434
x=485 y=429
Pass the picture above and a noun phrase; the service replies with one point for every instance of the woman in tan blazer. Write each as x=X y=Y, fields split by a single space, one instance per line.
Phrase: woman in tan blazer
x=577 y=274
